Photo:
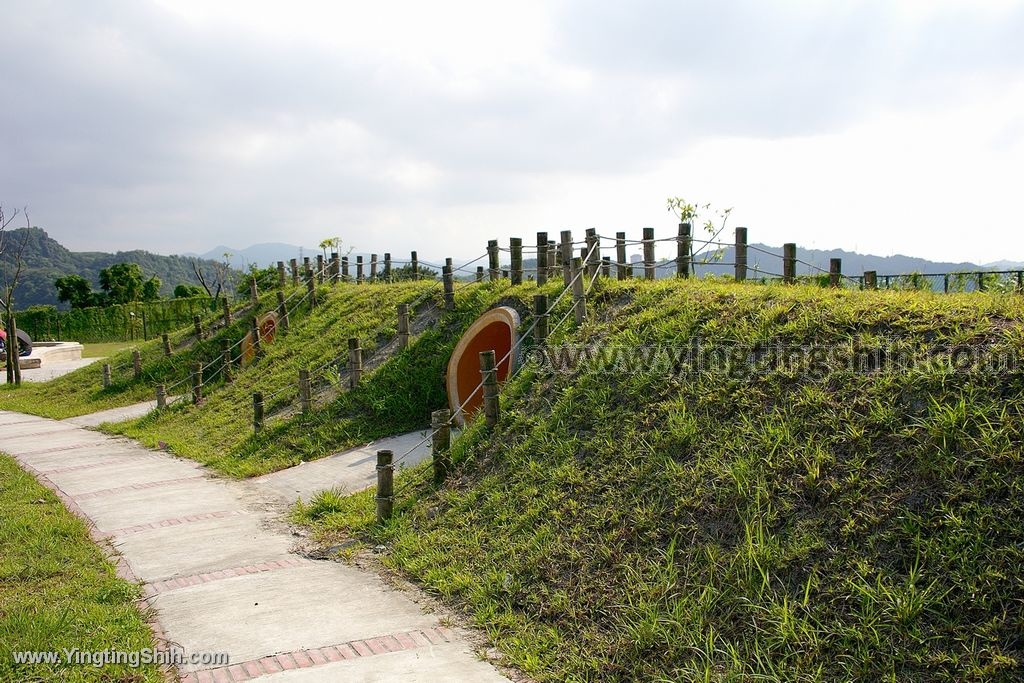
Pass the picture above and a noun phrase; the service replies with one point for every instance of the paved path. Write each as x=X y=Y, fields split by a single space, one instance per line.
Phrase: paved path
x=49 y=371
x=115 y=414
x=217 y=566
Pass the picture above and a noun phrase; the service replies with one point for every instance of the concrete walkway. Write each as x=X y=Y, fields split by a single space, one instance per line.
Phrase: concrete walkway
x=51 y=370
x=217 y=567
x=131 y=412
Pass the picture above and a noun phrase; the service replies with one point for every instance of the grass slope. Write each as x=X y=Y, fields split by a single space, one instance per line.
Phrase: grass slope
x=57 y=591
x=397 y=396
x=784 y=525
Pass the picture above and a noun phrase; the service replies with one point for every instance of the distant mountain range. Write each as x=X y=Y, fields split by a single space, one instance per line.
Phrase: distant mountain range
x=46 y=259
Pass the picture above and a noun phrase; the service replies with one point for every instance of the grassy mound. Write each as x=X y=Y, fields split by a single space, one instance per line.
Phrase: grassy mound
x=799 y=521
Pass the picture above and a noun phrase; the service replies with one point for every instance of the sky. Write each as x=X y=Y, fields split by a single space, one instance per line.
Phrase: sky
x=178 y=125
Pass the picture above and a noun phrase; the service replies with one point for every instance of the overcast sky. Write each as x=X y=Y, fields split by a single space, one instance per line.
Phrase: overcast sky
x=885 y=127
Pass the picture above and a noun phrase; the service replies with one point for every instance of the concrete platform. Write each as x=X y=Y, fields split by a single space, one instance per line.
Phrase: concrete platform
x=216 y=564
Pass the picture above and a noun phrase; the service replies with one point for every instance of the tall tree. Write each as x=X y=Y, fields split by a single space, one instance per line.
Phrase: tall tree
x=74 y=290
x=122 y=283
x=11 y=273
x=151 y=289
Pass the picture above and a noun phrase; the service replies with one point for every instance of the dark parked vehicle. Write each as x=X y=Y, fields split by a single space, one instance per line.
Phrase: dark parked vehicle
x=24 y=342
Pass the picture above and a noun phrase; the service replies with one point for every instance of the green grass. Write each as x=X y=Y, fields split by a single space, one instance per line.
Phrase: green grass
x=104 y=349
x=781 y=525
x=57 y=591
x=395 y=397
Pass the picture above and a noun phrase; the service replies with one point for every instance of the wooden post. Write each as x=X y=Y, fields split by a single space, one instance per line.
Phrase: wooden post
x=579 y=301
x=449 y=287
x=197 y=326
x=387 y=267
x=335 y=267
x=479 y=273
x=741 y=254
x=403 y=326
x=344 y=269
x=542 y=258
x=540 y=314
x=649 y=264
x=145 y=327
x=1020 y=288
x=359 y=270
x=415 y=259
x=226 y=361
x=489 y=376
x=226 y=311
x=516 y=248
x=106 y=375
x=504 y=273
x=305 y=397
x=887 y=282
x=385 y=486
x=167 y=343
x=161 y=396
x=257 y=411
x=606 y=266
x=552 y=260
x=789 y=263
x=320 y=268
x=307 y=271
x=870 y=279
x=254 y=293
x=254 y=330
x=440 y=424
x=197 y=383
x=684 y=250
x=311 y=290
x=355 y=362
x=593 y=259
x=945 y=283
x=835 y=271
x=280 y=275
x=493 y=262
x=565 y=258
x=373 y=267
x=620 y=256
x=282 y=312
x=981 y=282
x=294 y=264
x=137 y=364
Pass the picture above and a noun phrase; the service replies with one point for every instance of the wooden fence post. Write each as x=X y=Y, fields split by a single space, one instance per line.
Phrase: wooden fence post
x=282 y=312
x=344 y=269
x=385 y=486
x=606 y=267
x=540 y=314
x=307 y=271
x=294 y=264
x=789 y=263
x=684 y=250
x=226 y=361
x=981 y=282
x=403 y=326
x=226 y=311
x=145 y=327
x=620 y=256
x=741 y=254
x=441 y=441
x=320 y=268
x=254 y=293
x=489 y=376
x=137 y=364
x=542 y=258
x=335 y=268
x=106 y=375
x=593 y=252
x=257 y=411
x=305 y=396
x=516 y=256
x=197 y=326
x=835 y=271
x=579 y=302
x=355 y=362
x=449 y=286
x=649 y=263
x=197 y=383
x=565 y=257
x=280 y=275
x=479 y=273
x=311 y=290
x=373 y=267
x=493 y=262
x=359 y=270
x=870 y=279
x=415 y=259
x=552 y=260
x=161 y=396
x=167 y=343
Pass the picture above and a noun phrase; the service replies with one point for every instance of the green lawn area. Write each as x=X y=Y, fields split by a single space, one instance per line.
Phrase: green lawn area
x=104 y=349
x=58 y=591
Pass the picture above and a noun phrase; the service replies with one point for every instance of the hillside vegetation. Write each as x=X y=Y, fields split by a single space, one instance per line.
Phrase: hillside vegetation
x=798 y=523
